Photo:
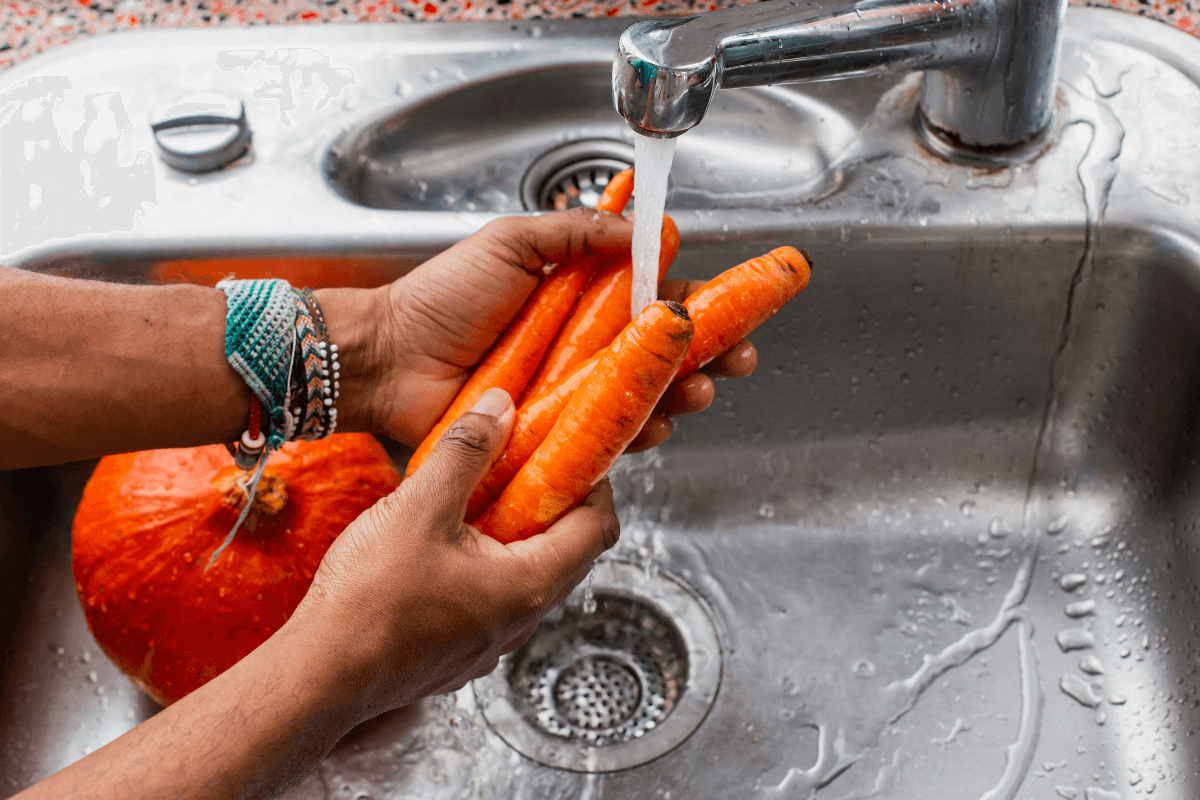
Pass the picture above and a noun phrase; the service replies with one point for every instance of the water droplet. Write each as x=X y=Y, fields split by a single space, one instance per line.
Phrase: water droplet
x=1096 y=793
x=1079 y=690
x=1080 y=608
x=864 y=668
x=766 y=511
x=967 y=509
x=1091 y=665
x=1057 y=525
x=1066 y=792
x=1118 y=699
x=996 y=528
x=1072 y=581
x=93 y=677
x=1078 y=638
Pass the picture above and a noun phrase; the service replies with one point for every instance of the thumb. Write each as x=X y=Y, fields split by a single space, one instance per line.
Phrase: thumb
x=462 y=457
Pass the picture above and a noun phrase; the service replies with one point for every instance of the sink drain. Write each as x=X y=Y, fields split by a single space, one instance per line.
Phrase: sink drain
x=613 y=688
x=601 y=678
x=574 y=175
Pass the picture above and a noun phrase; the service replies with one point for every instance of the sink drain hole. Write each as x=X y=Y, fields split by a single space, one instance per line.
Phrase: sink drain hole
x=613 y=688
x=574 y=175
x=604 y=678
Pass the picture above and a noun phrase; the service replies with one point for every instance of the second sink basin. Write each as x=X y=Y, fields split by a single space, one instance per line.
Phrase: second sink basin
x=475 y=148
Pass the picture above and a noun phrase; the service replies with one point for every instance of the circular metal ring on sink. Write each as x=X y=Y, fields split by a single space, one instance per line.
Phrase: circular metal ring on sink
x=610 y=687
x=574 y=175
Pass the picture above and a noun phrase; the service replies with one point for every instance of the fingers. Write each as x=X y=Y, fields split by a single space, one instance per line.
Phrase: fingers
x=688 y=396
x=677 y=290
x=552 y=559
x=534 y=242
x=656 y=431
x=462 y=457
x=737 y=362
x=693 y=394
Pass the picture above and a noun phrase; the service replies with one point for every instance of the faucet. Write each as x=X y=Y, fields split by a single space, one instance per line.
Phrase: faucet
x=990 y=66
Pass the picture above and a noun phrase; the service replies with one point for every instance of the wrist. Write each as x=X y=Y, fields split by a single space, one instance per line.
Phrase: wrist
x=318 y=666
x=352 y=316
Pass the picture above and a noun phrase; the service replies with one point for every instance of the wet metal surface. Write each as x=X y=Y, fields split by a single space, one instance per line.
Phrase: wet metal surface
x=958 y=495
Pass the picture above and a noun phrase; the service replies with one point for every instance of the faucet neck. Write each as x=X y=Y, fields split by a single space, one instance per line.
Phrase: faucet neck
x=990 y=64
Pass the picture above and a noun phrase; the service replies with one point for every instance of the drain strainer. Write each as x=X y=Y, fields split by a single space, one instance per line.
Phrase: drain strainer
x=613 y=688
x=574 y=175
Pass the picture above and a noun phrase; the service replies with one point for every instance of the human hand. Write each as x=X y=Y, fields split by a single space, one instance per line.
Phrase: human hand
x=431 y=327
x=417 y=602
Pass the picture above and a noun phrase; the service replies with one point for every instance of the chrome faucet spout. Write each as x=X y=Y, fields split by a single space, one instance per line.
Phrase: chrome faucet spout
x=989 y=65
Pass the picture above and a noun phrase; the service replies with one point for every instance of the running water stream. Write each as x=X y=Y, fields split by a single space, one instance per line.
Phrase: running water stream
x=652 y=164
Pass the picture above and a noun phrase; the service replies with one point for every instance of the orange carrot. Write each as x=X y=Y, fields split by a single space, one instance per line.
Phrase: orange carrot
x=724 y=311
x=617 y=193
x=600 y=420
x=601 y=313
x=740 y=299
x=515 y=358
x=532 y=423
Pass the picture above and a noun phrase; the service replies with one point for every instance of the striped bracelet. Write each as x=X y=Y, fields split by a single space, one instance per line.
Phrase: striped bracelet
x=277 y=341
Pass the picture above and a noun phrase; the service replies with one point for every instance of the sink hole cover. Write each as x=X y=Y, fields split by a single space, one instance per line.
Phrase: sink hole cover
x=613 y=688
x=597 y=693
x=574 y=175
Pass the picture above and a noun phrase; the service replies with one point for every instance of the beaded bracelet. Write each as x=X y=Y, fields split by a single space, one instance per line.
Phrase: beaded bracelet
x=330 y=369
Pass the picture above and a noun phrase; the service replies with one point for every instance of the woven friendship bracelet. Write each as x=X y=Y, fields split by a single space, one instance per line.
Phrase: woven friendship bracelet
x=260 y=341
x=330 y=369
x=312 y=412
x=276 y=340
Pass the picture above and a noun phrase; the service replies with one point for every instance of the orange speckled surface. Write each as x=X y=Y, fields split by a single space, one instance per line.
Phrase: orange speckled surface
x=31 y=26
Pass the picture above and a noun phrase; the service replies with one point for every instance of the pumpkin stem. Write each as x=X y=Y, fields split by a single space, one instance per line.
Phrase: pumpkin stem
x=270 y=498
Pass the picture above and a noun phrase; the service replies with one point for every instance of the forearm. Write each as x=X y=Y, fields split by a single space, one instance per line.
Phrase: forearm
x=250 y=733
x=90 y=368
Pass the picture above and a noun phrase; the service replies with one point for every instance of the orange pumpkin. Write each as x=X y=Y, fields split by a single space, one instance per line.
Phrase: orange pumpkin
x=149 y=522
x=317 y=272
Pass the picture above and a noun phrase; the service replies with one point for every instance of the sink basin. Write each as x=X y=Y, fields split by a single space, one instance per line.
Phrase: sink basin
x=941 y=544
x=475 y=147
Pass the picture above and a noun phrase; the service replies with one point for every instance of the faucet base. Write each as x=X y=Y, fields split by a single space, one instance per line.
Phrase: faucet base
x=947 y=145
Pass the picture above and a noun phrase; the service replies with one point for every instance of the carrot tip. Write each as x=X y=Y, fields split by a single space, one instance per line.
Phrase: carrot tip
x=678 y=309
x=807 y=257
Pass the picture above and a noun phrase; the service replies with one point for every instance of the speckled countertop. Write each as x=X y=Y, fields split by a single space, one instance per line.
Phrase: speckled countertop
x=31 y=26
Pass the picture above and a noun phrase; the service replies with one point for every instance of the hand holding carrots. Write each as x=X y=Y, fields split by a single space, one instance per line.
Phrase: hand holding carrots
x=440 y=320
x=601 y=375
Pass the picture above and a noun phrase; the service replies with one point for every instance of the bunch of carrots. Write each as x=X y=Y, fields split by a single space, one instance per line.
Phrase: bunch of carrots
x=586 y=377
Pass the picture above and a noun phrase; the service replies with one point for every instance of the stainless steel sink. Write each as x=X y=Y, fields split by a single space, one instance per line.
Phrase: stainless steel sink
x=945 y=535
